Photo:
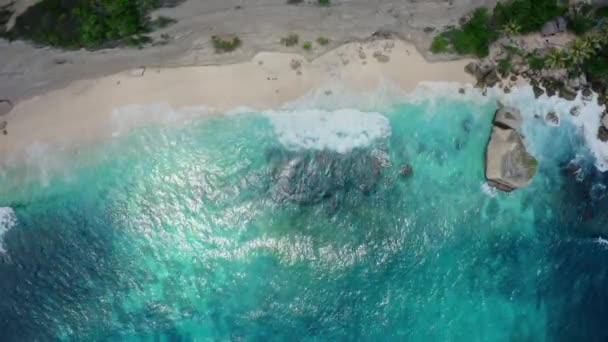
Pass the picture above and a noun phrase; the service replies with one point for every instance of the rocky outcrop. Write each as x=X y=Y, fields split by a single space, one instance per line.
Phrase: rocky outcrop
x=508 y=165
x=484 y=72
x=602 y=133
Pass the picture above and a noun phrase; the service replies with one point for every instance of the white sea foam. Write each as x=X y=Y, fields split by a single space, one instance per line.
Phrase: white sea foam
x=7 y=221
x=488 y=190
x=340 y=130
x=587 y=122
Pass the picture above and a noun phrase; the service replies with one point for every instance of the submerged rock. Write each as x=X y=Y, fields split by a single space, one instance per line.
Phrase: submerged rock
x=308 y=177
x=508 y=165
x=552 y=119
x=406 y=171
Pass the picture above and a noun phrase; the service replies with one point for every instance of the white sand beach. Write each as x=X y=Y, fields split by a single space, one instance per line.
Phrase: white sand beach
x=82 y=112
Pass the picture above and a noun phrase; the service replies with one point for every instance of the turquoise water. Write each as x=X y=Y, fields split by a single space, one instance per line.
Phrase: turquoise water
x=228 y=228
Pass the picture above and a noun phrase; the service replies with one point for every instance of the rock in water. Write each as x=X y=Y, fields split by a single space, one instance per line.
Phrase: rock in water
x=406 y=171
x=309 y=177
x=602 y=133
x=508 y=165
x=552 y=119
x=508 y=117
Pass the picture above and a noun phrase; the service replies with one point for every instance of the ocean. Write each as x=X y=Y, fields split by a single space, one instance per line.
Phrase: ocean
x=301 y=225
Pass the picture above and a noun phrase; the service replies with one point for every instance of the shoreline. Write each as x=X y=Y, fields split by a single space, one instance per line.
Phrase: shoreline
x=84 y=111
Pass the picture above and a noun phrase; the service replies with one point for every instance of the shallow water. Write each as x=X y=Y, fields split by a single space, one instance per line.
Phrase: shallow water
x=298 y=226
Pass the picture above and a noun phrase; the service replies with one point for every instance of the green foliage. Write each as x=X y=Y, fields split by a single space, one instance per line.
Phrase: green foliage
x=86 y=23
x=535 y=62
x=511 y=29
x=291 y=40
x=5 y=15
x=307 y=46
x=324 y=2
x=505 y=67
x=529 y=15
x=440 y=44
x=226 y=43
x=581 y=19
x=322 y=41
x=556 y=59
x=475 y=35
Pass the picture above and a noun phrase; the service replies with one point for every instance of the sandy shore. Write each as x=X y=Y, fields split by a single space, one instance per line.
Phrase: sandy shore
x=84 y=111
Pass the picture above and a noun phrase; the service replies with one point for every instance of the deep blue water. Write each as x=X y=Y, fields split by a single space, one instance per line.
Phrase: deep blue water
x=275 y=227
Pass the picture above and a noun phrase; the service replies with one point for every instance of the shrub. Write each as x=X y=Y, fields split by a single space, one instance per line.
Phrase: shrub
x=535 y=62
x=505 y=66
x=324 y=2
x=307 y=46
x=85 y=23
x=440 y=44
x=225 y=43
x=529 y=15
x=475 y=36
x=290 y=40
x=322 y=41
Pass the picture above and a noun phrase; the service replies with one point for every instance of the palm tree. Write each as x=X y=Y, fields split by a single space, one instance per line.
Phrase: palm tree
x=595 y=40
x=511 y=29
x=580 y=51
x=555 y=59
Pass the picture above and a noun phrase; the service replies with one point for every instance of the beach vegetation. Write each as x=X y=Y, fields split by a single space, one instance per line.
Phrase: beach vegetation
x=579 y=51
x=475 y=35
x=307 y=46
x=440 y=44
x=528 y=15
x=225 y=43
x=88 y=24
x=581 y=19
x=555 y=59
x=324 y=2
x=535 y=61
x=291 y=40
x=511 y=29
x=505 y=66
x=294 y=2
x=322 y=41
x=5 y=16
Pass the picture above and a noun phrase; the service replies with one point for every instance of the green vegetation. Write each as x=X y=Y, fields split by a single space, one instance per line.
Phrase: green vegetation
x=529 y=15
x=307 y=46
x=87 y=23
x=511 y=29
x=225 y=43
x=481 y=29
x=505 y=66
x=535 y=62
x=291 y=40
x=475 y=35
x=556 y=59
x=440 y=44
x=5 y=15
x=322 y=41
x=324 y=2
